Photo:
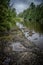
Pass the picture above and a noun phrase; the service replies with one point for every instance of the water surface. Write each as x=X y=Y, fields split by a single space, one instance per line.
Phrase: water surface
x=34 y=37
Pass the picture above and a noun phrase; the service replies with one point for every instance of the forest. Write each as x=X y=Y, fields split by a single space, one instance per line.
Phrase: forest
x=7 y=16
x=33 y=16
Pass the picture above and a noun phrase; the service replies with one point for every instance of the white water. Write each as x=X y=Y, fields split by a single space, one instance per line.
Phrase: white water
x=36 y=38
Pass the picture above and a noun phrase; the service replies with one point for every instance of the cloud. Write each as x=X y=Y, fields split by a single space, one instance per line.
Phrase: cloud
x=39 y=0
x=21 y=5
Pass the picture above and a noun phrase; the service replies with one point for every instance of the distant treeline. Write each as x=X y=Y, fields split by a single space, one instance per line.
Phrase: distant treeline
x=33 y=17
x=33 y=13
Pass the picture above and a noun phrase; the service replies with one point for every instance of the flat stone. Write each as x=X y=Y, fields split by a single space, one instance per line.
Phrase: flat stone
x=17 y=46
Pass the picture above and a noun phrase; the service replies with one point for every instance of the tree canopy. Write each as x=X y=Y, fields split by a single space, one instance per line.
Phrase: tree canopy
x=6 y=15
x=33 y=16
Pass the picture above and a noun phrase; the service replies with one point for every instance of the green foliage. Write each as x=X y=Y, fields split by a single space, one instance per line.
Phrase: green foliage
x=32 y=5
x=33 y=17
x=33 y=13
x=7 y=16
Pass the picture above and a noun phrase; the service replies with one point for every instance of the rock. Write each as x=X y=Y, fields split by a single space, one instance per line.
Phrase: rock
x=6 y=61
x=7 y=49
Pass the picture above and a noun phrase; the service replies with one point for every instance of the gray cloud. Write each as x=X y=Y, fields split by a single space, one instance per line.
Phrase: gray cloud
x=21 y=5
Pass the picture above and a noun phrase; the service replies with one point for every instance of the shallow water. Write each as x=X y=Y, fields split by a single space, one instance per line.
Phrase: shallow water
x=36 y=38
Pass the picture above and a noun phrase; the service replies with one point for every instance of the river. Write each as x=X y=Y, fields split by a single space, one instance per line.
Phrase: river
x=26 y=53
x=34 y=37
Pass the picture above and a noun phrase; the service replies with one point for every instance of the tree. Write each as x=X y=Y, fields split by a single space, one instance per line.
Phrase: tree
x=6 y=15
x=32 y=5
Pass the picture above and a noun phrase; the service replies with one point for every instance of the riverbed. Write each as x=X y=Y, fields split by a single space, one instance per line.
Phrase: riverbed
x=31 y=35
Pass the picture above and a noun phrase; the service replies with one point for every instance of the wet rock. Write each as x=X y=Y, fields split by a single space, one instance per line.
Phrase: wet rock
x=7 y=49
x=17 y=46
x=6 y=61
x=31 y=56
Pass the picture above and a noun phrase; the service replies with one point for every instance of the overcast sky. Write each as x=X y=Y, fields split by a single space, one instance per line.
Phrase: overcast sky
x=21 y=5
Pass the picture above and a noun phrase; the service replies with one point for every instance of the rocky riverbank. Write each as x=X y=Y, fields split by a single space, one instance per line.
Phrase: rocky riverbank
x=19 y=51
